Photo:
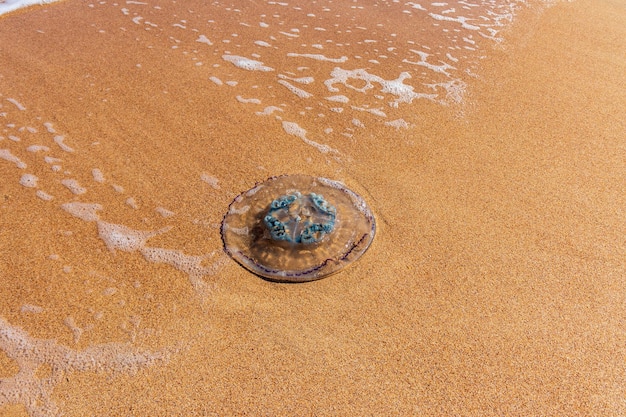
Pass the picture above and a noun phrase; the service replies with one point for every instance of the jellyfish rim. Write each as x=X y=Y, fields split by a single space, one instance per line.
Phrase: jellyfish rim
x=304 y=275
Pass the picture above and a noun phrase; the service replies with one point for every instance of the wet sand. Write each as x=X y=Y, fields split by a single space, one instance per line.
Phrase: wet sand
x=495 y=284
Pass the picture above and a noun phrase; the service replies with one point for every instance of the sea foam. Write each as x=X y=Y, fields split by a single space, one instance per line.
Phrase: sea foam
x=30 y=354
x=11 y=5
x=246 y=63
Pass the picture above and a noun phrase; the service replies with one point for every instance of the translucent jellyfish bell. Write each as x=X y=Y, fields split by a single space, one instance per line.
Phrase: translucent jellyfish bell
x=297 y=228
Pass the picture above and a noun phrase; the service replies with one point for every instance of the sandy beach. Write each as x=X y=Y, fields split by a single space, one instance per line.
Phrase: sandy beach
x=495 y=285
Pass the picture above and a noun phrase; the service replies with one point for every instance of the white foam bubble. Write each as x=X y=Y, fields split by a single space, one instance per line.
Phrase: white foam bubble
x=30 y=308
x=357 y=123
x=216 y=80
x=98 y=176
x=8 y=156
x=120 y=237
x=455 y=90
x=319 y=57
x=416 y=6
x=74 y=328
x=268 y=110
x=131 y=202
x=59 y=141
x=342 y=76
x=51 y=159
x=398 y=124
x=442 y=69
x=338 y=98
x=462 y=20
x=262 y=43
x=37 y=148
x=109 y=291
x=212 y=181
x=248 y=100
x=376 y=112
x=73 y=186
x=83 y=211
x=404 y=93
x=49 y=127
x=164 y=212
x=294 y=129
x=297 y=91
x=188 y=264
x=204 y=39
x=451 y=58
x=192 y=265
x=7 y=4
x=44 y=195
x=29 y=180
x=299 y=80
x=290 y=35
x=14 y=138
x=246 y=63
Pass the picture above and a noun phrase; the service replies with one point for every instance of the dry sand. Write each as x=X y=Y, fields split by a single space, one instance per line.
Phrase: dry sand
x=496 y=284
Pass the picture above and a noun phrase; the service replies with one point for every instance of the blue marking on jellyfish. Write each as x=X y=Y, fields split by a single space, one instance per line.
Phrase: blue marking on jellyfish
x=306 y=219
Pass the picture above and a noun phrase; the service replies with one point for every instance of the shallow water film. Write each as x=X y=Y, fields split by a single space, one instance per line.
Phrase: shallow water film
x=492 y=286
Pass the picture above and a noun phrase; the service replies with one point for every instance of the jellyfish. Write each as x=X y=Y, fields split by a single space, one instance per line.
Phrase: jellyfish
x=297 y=228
